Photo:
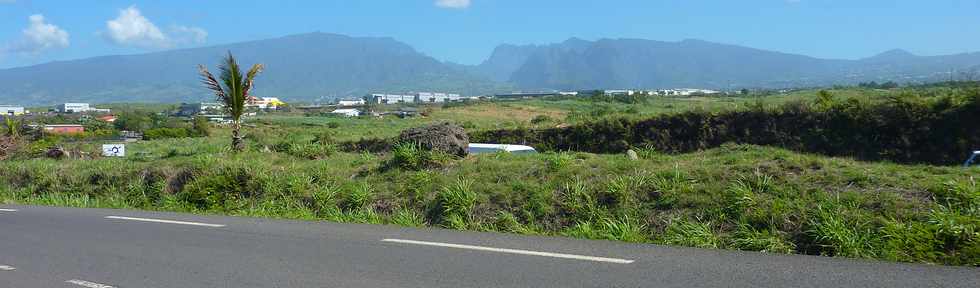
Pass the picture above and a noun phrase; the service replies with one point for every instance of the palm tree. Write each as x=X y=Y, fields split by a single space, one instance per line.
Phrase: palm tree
x=12 y=127
x=233 y=90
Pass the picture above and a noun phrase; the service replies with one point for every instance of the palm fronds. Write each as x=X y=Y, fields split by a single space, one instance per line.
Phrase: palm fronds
x=212 y=84
x=12 y=126
x=231 y=88
x=250 y=78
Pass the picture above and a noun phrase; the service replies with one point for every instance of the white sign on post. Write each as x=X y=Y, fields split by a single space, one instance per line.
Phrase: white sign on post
x=113 y=150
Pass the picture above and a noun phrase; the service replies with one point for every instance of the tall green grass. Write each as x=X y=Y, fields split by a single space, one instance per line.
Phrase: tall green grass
x=732 y=196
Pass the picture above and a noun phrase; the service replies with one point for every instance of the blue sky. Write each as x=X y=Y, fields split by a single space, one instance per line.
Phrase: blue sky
x=466 y=31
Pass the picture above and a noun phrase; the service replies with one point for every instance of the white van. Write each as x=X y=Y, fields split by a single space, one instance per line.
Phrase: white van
x=480 y=148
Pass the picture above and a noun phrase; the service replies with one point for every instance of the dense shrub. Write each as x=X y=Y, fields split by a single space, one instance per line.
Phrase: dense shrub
x=201 y=127
x=541 y=119
x=412 y=156
x=907 y=129
x=373 y=145
x=166 y=133
x=310 y=150
x=216 y=190
x=454 y=203
x=736 y=197
x=9 y=145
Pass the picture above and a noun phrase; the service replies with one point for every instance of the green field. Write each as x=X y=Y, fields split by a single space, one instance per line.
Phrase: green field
x=735 y=196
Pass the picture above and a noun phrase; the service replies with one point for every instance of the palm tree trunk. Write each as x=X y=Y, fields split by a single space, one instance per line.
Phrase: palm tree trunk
x=237 y=142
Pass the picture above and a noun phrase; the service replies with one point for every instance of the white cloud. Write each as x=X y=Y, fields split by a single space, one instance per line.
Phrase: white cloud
x=455 y=4
x=39 y=36
x=183 y=35
x=131 y=28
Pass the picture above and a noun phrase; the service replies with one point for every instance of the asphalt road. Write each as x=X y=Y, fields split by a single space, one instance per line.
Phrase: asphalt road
x=64 y=247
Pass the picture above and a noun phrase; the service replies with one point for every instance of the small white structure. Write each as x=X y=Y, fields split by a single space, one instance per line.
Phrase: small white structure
x=347 y=112
x=392 y=98
x=191 y=109
x=271 y=103
x=114 y=150
x=686 y=92
x=479 y=148
x=619 y=92
x=351 y=103
x=73 y=107
x=79 y=108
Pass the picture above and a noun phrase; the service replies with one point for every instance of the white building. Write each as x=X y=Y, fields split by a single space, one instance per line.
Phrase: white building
x=421 y=97
x=350 y=103
x=12 y=110
x=347 y=112
x=73 y=107
x=79 y=108
x=433 y=97
x=272 y=103
x=191 y=109
x=392 y=98
x=686 y=92
x=619 y=92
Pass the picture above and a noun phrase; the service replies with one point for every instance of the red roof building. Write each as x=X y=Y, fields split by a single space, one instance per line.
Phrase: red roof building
x=107 y=118
x=64 y=128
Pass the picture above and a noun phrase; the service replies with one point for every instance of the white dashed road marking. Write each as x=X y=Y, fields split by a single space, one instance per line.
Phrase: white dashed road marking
x=164 y=221
x=8 y=210
x=88 y=284
x=7 y=268
x=512 y=251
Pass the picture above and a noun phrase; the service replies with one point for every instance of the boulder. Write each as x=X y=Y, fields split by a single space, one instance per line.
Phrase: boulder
x=7 y=146
x=56 y=153
x=445 y=137
x=632 y=155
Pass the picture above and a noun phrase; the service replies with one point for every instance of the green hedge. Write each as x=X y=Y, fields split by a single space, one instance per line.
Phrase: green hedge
x=165 y=133
x=906 y=129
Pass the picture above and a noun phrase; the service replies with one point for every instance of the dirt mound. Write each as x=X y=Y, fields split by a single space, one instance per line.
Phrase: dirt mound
x=446 y=137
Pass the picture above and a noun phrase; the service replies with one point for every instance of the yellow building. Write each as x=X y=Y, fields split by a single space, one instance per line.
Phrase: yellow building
x=265 y=102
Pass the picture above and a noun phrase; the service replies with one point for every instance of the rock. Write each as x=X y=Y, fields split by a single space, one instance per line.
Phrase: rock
x=7 y=146
x=446 y=137
x=632 y=155
x=56 y=153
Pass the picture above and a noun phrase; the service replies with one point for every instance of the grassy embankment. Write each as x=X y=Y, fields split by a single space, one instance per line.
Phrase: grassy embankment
x=732 y=197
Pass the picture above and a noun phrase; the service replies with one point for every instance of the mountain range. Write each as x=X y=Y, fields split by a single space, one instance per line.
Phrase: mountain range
x=634 y=63
x=321 y=67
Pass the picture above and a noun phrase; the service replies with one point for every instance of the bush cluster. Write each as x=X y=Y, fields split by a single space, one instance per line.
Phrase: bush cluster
x=750 y=198
x=906 y=129
x=413 y=156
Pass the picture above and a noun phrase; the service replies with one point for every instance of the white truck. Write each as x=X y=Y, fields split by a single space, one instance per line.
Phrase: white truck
x=480 y=148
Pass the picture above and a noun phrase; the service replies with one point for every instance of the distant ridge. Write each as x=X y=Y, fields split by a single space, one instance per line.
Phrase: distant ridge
x=304 y=67
x=321 y=66
x=636 y=63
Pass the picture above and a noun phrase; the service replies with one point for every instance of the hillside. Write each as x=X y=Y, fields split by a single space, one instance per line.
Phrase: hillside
x=305 y=67
x=320 y=67
x=635 y=63
x=689 y=183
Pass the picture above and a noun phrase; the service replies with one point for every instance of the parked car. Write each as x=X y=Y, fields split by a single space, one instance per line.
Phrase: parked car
x=480 y=148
